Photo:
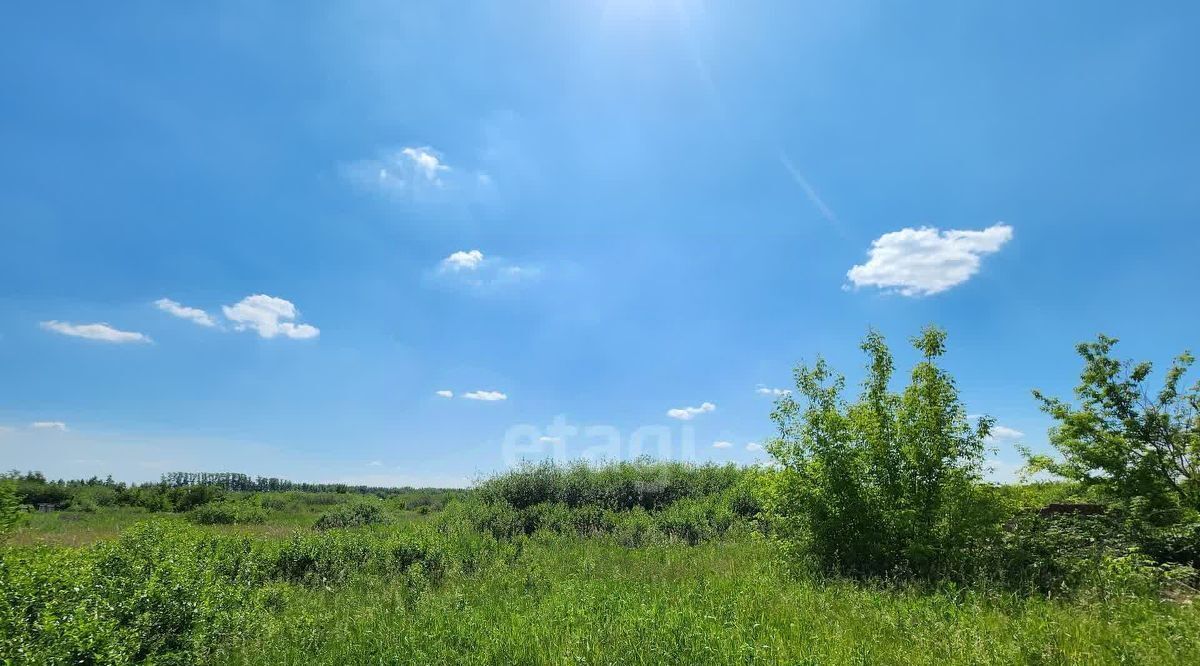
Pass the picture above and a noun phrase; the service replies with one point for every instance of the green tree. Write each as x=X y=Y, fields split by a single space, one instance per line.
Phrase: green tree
x=1123 y=442
x=887 y=485
x=10 y=511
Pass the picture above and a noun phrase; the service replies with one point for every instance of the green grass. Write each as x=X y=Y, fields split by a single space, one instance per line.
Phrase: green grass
x=75 y=528
x=570 y=600
x=438 y=588
x=79 y=528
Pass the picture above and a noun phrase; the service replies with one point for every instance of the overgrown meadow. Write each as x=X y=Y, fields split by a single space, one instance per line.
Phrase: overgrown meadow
x=871 y=539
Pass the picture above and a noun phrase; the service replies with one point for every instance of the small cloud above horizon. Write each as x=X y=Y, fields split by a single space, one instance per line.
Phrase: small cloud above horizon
x=754 y=446
x=49 y=425
x=444 y=393
x=268 y=316
x=418 y=173
x=927 y=261
x=176 y=309
x=485 y=396
x=473 y=269
x=1004 y=433
x=722 y=444
x=689 y=413
x=468 y=260
x=101 y=332
x=776 y=392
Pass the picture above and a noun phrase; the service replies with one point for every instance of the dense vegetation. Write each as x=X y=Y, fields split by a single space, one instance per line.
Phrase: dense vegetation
x=871 y=539
x=184 y=491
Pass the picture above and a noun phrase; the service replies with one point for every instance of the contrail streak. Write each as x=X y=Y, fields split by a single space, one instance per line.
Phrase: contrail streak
x=811 y=193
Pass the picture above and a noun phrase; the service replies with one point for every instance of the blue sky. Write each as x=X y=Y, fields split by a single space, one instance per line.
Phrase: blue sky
x=600 y=211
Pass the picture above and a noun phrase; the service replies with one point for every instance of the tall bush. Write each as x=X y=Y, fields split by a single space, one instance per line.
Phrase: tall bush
x=886 y=485
x=1124 y=442
x=10 y=506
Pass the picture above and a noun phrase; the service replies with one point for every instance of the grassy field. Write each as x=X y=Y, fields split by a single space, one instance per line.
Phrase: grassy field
x=76 y=528
x=553 y=599
x=641 y=563
x=591 y=602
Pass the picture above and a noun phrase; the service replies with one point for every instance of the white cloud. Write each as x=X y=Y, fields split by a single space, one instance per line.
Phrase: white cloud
x=419 y=173
x=689 y=413
x=546 y=439
x=101 y=331
x=183 y=312
x=444 y=393
x=471 y=268
x=999 y=432
x=49 y=425
x=754 y=446
x=462 y=260
x=777 y=392
x=925 y=261
x=268 y=315
x=1004 y=432
x=425 y=161
x=375 y=463
x=486 y=396
x=722 y=444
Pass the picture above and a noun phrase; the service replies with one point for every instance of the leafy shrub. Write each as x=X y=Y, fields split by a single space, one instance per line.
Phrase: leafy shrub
x=83 y=503
x=687 y=520
x=1140 y=451
x=155 y=594
x=887 y=485
x=167 y=593
x=34 y=491
x=634 y=528
x=693 y=521
x=617 y=486
x=10 y=506
x=1179 y=544
x=351 y=515
x=336 y=555
x=190 y=497
x=276 y=502
x=228 y=513
x=1080 y=554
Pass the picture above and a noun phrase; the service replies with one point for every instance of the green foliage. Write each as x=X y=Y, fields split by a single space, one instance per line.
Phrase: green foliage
x=636 y=503
x=188 y=498
x=490 y=582
x=228 y=513
x=588 y=601
x=1138 y=449
x=10 y=506
x=1037 y=494
x=693 y=521
x=183 y=492
x=617 y=486
x=887 y=485
x=352 y=515
x=159 y=593
x=168 y=593
x=335 y=556
x=1080 y=555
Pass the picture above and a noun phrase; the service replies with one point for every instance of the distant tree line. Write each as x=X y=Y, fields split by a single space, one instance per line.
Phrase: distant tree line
x=234 y=482
x=182 y=491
